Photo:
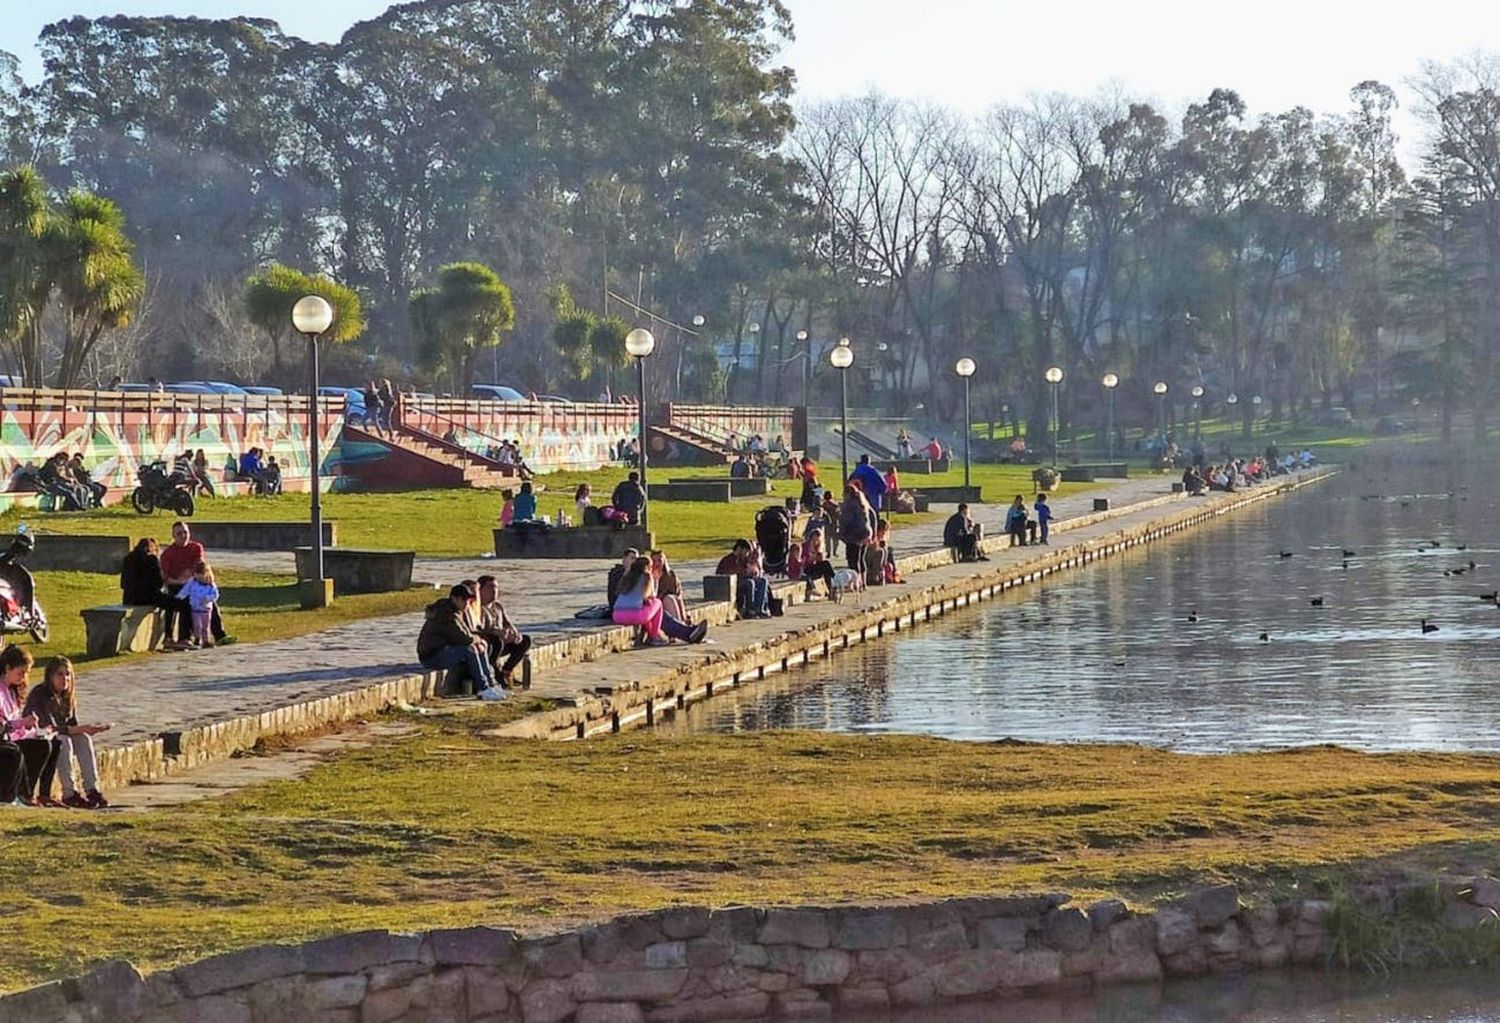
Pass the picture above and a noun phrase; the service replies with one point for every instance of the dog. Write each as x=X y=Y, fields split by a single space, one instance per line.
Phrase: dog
x=846 y=580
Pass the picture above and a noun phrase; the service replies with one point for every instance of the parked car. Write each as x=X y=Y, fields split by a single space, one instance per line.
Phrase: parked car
x=214 y=386
x=261 y=389
x=557 y=399
x=6 y=380
x=496 y=392
x=1336 y=416
x=138 y=388
x=189 y=387
x=354 y=402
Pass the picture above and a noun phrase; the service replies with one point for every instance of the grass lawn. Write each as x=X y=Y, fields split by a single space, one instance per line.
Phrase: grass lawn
x=255 y=605
x=448 y=827
x=458 y=522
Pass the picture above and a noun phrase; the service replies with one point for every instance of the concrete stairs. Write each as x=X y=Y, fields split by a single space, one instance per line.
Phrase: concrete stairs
x=701 y=449
x=447 y=464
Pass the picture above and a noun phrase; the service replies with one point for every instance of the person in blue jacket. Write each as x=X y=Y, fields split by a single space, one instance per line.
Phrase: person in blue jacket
x=870 y=481
x=1043 y=515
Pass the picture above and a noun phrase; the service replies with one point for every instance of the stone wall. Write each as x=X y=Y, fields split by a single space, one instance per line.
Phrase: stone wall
x=696 y=964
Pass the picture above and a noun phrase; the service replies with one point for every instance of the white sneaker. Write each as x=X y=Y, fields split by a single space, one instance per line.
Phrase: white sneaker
x=493 y=693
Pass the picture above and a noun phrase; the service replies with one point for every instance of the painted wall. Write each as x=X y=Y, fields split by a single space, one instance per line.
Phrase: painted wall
x=719 y=421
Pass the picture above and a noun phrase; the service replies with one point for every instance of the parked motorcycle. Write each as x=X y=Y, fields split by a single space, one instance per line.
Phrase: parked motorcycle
x=19 y=611
x=162 y=489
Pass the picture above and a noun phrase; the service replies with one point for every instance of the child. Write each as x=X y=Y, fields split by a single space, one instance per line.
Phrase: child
x=508 y=508
x=201 y=595
x=1043 y=514
x=54 y=701
x=794 y=562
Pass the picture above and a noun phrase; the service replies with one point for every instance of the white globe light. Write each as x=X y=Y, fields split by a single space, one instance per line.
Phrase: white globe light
x=1054 y=375
x=698 y=320
x=755 y=328
x=801 y=335
x=640 y=342
x=964 y=367
x=842 y=356
x=844 y=341
x=1160 y=388
x=1255 y=400
x=1198 y=391
x=312 y=315
x=1111 y=381
x=1233 y=399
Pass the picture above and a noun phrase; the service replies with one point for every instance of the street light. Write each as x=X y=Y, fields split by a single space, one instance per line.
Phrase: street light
x=1197 y=412
x=640 y=343
x=1110 y=381
x=311 y=317
x=1160 y=389
x=842 y=357
x=965 y=368
x=1054 y=377
x=806 y=364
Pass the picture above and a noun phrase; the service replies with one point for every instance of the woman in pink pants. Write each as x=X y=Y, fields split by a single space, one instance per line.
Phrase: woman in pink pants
x=638 y=605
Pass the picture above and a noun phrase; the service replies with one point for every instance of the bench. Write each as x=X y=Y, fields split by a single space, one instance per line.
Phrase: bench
x=360 y=571
x=1088 y=472
x=916 y=466
x=948 y=495
x=572 y=542
x=260 y=536
x=744 y=486
x=694 y=490
x=63 y=552
x=113 y=629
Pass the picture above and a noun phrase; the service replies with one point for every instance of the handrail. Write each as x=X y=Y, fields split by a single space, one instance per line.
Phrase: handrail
x=402 y=420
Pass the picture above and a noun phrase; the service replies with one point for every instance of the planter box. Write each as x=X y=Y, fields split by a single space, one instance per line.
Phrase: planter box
x=572 y=542
x=260 y=536
x=756 y=486
x=357 y=571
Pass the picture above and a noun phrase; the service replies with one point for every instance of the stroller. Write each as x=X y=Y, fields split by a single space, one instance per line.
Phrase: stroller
x=773 y=532
x=19 y=611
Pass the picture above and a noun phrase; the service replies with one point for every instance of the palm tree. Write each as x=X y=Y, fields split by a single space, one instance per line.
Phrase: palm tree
x=95 y=276
x=468 y=310
x=271 y=292
x=24 y=282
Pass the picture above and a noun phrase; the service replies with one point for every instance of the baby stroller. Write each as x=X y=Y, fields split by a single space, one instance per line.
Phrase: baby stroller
x=19 y=611
x=773 y=531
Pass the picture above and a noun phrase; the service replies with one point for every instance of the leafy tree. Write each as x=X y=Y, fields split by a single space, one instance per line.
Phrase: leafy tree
x=271 y=293
x=469 y=309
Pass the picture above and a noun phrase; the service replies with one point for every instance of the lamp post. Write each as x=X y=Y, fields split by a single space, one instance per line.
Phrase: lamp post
x=311 y=317
x=1110 y=381
x=806 y=351
x=640 y=343
x=1160 y=389
x=965 y=368
x=1054 y=377
x=842 y=357
x=1197 y=412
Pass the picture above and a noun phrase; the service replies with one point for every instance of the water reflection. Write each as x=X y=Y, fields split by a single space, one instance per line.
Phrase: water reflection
x=1110 y=653
x=1301 y=997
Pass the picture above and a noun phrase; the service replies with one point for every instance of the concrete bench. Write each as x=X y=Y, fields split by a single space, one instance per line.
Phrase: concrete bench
x=720 y=587
x=260 y=536
x=1077 y=474
x=360 y=571
x=572 y=542
x=1098 y=470
x=694 y=490
x=63 y=552
x=949 y=495
x=113 y=629
x=917 y=466
x=746 y=486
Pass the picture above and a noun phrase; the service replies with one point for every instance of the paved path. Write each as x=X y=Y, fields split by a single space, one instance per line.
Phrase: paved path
x=169 y=692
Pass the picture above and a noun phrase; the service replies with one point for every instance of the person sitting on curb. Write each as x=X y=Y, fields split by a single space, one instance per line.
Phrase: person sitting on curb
x=508 y=646
x=964 y=535
x=1015 y=522
x=752 y=596
x=447 y=640
x=629 y=498
x=85 y=479
x=638 y=605
x=617 y=574
x=815 y=564
x=54 y=703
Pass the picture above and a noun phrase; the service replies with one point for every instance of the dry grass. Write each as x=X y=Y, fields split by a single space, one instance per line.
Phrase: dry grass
x=450 y=827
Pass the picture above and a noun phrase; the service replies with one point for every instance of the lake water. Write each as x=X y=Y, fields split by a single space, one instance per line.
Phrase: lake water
x=1109 y=653
x=1294 y=997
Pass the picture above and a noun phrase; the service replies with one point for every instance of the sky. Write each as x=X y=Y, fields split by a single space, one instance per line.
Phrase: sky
x=969 y=54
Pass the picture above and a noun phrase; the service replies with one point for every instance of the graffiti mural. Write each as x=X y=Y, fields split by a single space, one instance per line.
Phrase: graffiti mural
x=719 y=422
x=553 y=435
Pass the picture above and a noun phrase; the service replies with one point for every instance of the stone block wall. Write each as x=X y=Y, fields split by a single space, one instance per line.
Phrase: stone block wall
x=687 y=965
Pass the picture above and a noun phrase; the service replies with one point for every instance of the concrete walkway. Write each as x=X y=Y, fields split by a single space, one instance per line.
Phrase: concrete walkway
x=174 y=692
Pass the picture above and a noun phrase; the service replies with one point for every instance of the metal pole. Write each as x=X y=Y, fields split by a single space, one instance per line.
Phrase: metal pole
x=317 y=497
x=1109 y=422
x=640 y=389
x=1055 y=426
x=968 y=431
x=844 y=426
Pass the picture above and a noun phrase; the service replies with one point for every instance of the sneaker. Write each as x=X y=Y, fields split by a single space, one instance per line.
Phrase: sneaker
x=699 y=633
x=76 y=801
x=226 y=641
x=658 y=641
x=30 y=801
x=48 y=801
x=492 y=693
x=96 y=800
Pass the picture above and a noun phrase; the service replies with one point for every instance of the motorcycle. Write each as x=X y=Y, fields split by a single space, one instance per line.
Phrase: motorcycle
x=161 y=489
x=19 y=611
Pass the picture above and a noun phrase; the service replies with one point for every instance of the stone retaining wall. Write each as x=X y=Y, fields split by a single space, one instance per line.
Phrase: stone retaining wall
x=686 y=965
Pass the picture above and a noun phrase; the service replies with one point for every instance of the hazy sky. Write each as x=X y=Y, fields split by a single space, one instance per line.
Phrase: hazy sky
x=970 y=53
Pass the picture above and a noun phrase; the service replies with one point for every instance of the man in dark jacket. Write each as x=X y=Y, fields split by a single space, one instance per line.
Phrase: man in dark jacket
x=630 y=497
x=448 y=639
x=963 y=534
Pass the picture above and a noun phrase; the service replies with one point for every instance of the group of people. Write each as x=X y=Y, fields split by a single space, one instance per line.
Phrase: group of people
x=179 y=580
x=508 y=453
x=932 y=450
x=69 y=483
x=380 y=406
x=470 y=629
x=645 y=593
x=627 y=450
x=1232 y=474
x=41 y=737
x=262 y=470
